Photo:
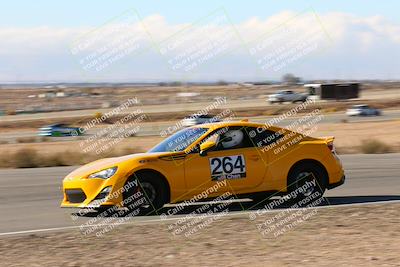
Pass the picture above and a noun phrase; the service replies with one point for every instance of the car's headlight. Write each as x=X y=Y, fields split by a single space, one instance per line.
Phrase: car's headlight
x=104 y=174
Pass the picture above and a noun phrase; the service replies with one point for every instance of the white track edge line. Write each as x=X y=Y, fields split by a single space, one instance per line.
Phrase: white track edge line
x=180 y=217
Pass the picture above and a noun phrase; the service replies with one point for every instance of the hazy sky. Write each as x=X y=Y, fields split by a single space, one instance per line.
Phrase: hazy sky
x=198 y=41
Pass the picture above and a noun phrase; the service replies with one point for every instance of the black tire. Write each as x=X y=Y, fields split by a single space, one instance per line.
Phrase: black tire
x=153 y=191
x=303 y=173
x=260 y=198
x=106 y=211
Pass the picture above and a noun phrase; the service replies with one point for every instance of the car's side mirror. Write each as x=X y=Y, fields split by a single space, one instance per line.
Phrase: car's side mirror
x=203 y=153
x=205 y=147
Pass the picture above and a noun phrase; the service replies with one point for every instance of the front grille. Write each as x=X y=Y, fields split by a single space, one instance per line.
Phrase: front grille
x=75 y=195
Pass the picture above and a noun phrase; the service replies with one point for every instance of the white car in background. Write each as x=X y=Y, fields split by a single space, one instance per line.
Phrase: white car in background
x=287 y=96
x=362 y=110
x=195 y=120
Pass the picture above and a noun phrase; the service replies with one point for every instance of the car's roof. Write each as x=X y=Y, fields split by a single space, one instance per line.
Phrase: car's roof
x=360 y=106
x=243 y=123
x=203 y=116
x=56 y=125
x=207 y=116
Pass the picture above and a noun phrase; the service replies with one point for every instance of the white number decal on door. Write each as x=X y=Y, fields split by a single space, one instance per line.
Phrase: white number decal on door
x=229 y=167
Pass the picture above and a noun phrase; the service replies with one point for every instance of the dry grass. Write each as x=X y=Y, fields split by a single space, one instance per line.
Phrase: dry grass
x=330 y=110
x=26 y=139
x=350 y=137
x=44 y=139
x=25 y=158
x=29 y=157
x=373 y=146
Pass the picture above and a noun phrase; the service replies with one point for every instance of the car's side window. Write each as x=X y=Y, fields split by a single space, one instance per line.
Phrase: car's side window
x=242 y=137
x=233 y=138
x=262 y=137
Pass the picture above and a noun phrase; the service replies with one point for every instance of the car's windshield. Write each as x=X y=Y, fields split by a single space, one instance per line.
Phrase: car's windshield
x=180 y=140
x=360 y=106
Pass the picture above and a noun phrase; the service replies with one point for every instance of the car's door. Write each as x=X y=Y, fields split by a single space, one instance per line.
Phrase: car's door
x=243 y=168
x=371 y=111
x=290 y=96
x=285 y=96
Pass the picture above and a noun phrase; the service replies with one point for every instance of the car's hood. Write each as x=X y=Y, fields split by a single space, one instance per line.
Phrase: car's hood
x=106 y=163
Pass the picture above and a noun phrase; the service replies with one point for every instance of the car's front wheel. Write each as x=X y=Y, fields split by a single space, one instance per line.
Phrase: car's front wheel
x=149 y=193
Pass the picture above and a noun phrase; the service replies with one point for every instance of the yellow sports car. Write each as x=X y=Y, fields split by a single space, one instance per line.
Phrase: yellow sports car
x=244 y=158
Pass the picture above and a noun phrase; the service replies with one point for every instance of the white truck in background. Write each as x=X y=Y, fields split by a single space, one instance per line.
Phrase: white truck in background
x=287 y=96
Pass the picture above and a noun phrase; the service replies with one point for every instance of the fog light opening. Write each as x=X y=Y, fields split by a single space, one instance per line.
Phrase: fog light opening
x=101 y=197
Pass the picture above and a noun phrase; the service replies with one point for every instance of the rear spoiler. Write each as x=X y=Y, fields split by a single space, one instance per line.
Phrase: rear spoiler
x=329 y=142
x=328 y=139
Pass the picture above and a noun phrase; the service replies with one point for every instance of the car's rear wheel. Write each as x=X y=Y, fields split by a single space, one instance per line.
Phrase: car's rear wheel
x=149 y=195
x=306 y=180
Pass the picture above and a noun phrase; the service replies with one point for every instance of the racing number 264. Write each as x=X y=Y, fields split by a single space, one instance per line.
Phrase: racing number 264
x=227 y=165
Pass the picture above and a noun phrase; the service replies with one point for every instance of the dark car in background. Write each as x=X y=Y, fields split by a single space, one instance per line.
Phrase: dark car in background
x=59 y=129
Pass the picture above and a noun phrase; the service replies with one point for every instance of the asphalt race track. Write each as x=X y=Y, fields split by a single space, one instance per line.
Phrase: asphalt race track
x=30 y=198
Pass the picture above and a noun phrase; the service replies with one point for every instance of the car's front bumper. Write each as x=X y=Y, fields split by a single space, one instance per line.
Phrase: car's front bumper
x=275 y=99
x=90 y=193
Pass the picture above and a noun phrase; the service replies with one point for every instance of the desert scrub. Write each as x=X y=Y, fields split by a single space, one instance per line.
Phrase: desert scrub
x=26 y=139
x=25 y=158
x=372 y=146
x=31 y=158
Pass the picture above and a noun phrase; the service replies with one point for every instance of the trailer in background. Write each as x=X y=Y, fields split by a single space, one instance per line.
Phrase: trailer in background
x=333 y=91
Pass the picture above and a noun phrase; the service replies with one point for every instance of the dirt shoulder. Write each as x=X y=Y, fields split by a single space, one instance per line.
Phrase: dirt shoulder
x=339 y=236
